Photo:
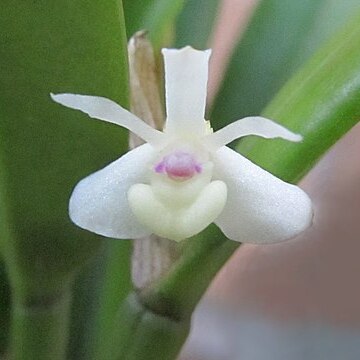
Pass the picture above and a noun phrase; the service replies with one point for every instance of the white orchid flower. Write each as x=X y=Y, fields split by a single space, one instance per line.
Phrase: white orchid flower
x=185 y=177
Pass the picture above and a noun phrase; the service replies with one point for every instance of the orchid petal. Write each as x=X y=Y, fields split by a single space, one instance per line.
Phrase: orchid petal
x=176 y=221
x=253 y=125
x=107 y=110
x=99 y=202
x=186 y=75
x=261 y=208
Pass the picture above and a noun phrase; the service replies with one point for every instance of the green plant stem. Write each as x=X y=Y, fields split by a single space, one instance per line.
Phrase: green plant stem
x=40 y=327
x=177 y=295
x=154 y=324
x=150 y=336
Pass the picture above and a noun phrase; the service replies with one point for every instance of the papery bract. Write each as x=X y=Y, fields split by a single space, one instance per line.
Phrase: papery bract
x=185 y=177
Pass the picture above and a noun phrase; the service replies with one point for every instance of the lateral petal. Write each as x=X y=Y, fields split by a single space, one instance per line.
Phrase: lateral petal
x=252 y=125
x=107 y=110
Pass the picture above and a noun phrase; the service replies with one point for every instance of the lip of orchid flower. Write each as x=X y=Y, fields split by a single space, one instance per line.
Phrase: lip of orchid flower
x=185 y=177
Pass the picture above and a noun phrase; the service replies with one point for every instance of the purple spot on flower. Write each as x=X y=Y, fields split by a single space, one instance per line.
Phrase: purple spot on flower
x=160 y=167
x=178 y=166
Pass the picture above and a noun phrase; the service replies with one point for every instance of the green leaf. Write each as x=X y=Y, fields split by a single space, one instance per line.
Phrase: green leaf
x=321 y=102
x=101 y=287
x=156 y=16
x=4 y=310
x=85 y=306
x=193 y=30
x=115 y=286
x=45 y=149
x=281 y=37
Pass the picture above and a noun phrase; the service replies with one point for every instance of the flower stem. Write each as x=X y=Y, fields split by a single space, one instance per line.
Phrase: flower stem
x=145 y=335
x=40 y=327
x=153 y=323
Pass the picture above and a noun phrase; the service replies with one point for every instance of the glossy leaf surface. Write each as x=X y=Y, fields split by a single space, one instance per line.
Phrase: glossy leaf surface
x=281 y=37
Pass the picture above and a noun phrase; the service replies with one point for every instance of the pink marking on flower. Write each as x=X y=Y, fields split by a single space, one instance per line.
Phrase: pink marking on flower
x=178 y=166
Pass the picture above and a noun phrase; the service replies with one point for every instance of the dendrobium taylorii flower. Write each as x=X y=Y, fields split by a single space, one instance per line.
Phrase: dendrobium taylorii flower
x=184 y=177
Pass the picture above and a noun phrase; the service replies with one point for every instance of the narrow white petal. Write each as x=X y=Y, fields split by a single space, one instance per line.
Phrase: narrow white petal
x=253 y=125
x=99 y=202
x=107 y=110
x=261 y=208
x=186 y=75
